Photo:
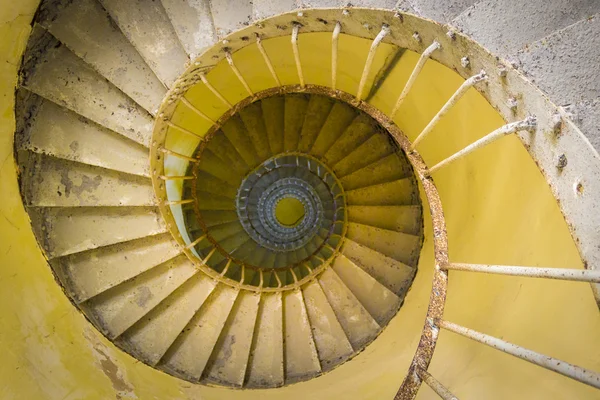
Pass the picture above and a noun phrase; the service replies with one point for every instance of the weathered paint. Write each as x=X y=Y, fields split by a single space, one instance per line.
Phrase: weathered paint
x=57 y=360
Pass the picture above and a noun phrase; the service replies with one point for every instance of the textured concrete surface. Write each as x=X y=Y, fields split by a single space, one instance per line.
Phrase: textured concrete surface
x=230 y=15
x=149 y=29
x=385 y=4
x=406 y=6
x=193 y=23
x=440 y=11
x=67 y=80
x=505 y=26
x=587 y=115
x=54 y=360
x=266 y=8
x=87 y=29
x=321 y=3
x=565 y=65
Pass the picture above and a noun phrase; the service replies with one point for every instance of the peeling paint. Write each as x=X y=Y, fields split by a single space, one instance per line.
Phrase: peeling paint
x=108 y=363
x=375 y=373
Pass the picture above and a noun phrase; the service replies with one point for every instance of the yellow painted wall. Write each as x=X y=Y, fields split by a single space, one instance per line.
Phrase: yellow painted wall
x=499 y=210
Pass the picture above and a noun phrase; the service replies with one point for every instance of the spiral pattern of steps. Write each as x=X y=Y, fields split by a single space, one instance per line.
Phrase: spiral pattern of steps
x=284 y=301
x=299 y=136
x=326 y=285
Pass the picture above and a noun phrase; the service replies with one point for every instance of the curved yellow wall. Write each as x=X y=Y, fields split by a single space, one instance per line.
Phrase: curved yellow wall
x=498 y=208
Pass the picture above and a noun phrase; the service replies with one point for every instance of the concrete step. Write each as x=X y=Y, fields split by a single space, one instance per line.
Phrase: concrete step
x=506 y=26
x=237 y=134
x=253 y=119
x=274 y=108
x=211 y=184
x=149 y=29
x=359 y=326
x=373 y=150
x=300 y=353
x=405 y=219
x=316 y=114
x=73 y=184
x=190 y=353
x=393 y=274
x=222 y=148
x=65 y=231
x=396 y=193
x=94 y=271
x=266 y=364
x=219 y=168
x=88 y=30
x=230 y=15
x=229 y=359
x=268 y=8
x=119 y=308
x=378 y=300
x=440 y=11
x=565 y=66
x=377 y=170
x=295 y=110
x=52 y=71
x=56 y=131
x=330 y=339
x=339 y=119
x=152 y=336
x=193 y=23
x=361 y=129
x=400 y=246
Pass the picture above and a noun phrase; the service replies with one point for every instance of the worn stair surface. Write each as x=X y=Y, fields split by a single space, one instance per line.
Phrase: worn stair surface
x=326 y=282
x=318 y=278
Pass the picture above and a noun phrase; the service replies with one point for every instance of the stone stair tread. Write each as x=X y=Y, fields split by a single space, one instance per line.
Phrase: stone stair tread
x=87 y=29
x=149 y=29
x=379 y=301
x=94 y=271
x=73 y=184
x=229 y=360
x=355 y=135
x=331 y=342
x=396 y=193
x=391 y=273
x=359 y=326
x=192 y=21
x=69 y=230
x=52 y=71
x=152 y=336
x=118 y=308
x=371 y=151
x=56 y=131
x=266 y=8
x=386 y=169
x=486 y=21
x=295 y=109
x=266 y=363
x=407 y=219
x=230 y=15
x=339 y=118
x=301 y=359
x=189 y=354
x=400 y=246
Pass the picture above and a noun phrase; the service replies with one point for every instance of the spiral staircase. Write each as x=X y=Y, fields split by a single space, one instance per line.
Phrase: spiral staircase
x=249 y=195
